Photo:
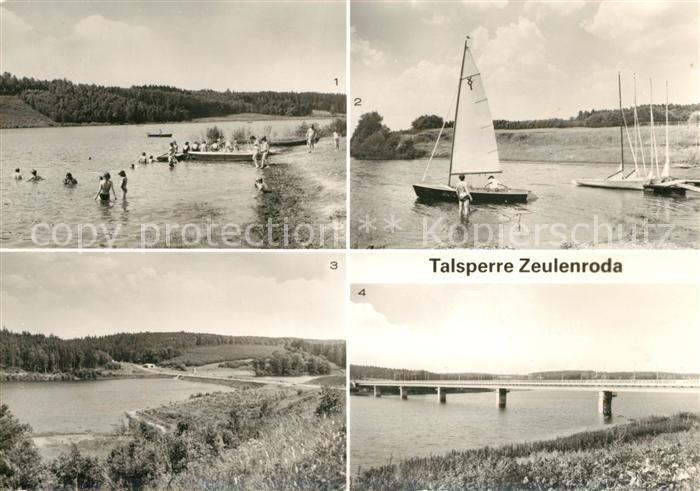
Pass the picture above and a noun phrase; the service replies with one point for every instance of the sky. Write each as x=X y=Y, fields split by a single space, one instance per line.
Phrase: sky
x=537 y=59
x=258 y=294
x=298 y=46
x=519 y=329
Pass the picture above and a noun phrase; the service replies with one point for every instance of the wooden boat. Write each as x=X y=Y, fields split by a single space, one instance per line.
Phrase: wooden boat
x=159 y=135
x=179 y=156
x=292 y=142
x=474 y=149
x=223 y=156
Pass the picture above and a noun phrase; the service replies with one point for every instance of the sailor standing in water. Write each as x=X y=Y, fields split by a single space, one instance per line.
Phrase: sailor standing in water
x=464 y=196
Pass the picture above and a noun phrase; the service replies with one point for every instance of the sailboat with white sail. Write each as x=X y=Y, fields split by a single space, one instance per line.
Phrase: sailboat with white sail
x=637 y=178
x=474 y=149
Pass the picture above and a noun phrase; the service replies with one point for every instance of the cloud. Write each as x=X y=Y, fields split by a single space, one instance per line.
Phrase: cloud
x=486 y=4
x=363 y=51
x=555 y=9
x=652 y=28
x=435 y=20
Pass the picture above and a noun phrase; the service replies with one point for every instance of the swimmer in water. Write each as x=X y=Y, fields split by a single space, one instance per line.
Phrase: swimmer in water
x=35 y=177
x=69 y=180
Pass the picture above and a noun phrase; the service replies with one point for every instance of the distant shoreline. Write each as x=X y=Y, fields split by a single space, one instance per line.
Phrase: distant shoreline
x=243 y=117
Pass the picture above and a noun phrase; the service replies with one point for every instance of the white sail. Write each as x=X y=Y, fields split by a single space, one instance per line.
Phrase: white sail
x=474 y=149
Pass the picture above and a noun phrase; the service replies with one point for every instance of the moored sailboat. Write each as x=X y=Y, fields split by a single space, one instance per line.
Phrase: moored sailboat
x=635 y=179
x=474 y=149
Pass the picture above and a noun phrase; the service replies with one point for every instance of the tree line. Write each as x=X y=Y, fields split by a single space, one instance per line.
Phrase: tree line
x=50 y=354
x=291 y=363
x=66 y=102
x=360 y=371
x=595 y=118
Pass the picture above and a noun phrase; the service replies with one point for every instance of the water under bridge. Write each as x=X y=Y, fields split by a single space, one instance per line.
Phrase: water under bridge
x=607 y=389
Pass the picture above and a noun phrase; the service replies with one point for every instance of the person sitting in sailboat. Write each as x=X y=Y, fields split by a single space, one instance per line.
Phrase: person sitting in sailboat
x=493 y=185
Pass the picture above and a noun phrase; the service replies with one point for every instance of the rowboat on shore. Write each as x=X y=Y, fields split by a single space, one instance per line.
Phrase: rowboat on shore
x=292 y=142
x=223 y=156
x=166 y=157
x=474 y=149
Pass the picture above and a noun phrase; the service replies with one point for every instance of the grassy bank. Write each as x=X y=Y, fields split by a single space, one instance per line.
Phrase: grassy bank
x=653 y=453
x=569 y=145
x=252 y=438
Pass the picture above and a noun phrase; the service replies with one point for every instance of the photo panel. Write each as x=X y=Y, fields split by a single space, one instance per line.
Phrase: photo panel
x=525 y=125
x=173 y=125
x=172 y=371
x=510 y=386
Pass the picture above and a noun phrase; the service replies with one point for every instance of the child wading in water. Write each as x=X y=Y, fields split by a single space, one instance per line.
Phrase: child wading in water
x=264 y=150
x=123 y=183
x=256 y=150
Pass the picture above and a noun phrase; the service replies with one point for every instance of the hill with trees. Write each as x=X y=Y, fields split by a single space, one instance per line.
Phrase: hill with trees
x=51 y=354
x=65 y=102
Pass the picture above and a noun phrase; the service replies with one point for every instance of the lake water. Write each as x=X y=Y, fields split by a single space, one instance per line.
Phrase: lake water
x=92 y=406
x=562 y=215
x=388 y=428
x=214 y=200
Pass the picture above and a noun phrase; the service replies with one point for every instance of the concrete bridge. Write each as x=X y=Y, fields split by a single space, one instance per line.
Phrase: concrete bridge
x=607 y=389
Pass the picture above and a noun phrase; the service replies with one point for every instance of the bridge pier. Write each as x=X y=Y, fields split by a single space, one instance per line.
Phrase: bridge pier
x=605 y=398
x=502 y=396
x=403 y=392
x=377 y=391
x=442 y=395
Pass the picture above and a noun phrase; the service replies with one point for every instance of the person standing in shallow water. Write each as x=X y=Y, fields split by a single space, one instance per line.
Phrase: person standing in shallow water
x=122 y=185
x=265 y=151
x=18 y=175
x=106 y=189
x=311 y=138
x=256 y=150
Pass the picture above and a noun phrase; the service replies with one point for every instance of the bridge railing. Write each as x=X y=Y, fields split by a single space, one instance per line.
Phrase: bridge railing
x=535 y=383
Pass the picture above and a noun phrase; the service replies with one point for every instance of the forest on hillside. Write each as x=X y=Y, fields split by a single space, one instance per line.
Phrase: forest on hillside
x=49 y=354
x=66 y=102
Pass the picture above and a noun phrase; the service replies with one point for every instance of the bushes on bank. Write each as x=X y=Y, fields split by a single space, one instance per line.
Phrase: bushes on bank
x=375 y=141
x=20 y=464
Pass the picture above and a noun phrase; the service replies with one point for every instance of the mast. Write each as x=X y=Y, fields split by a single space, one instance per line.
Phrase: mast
x=654 y=158
x=622 y=116
x=667 y=162
x=454 y=128
x=637 y=129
